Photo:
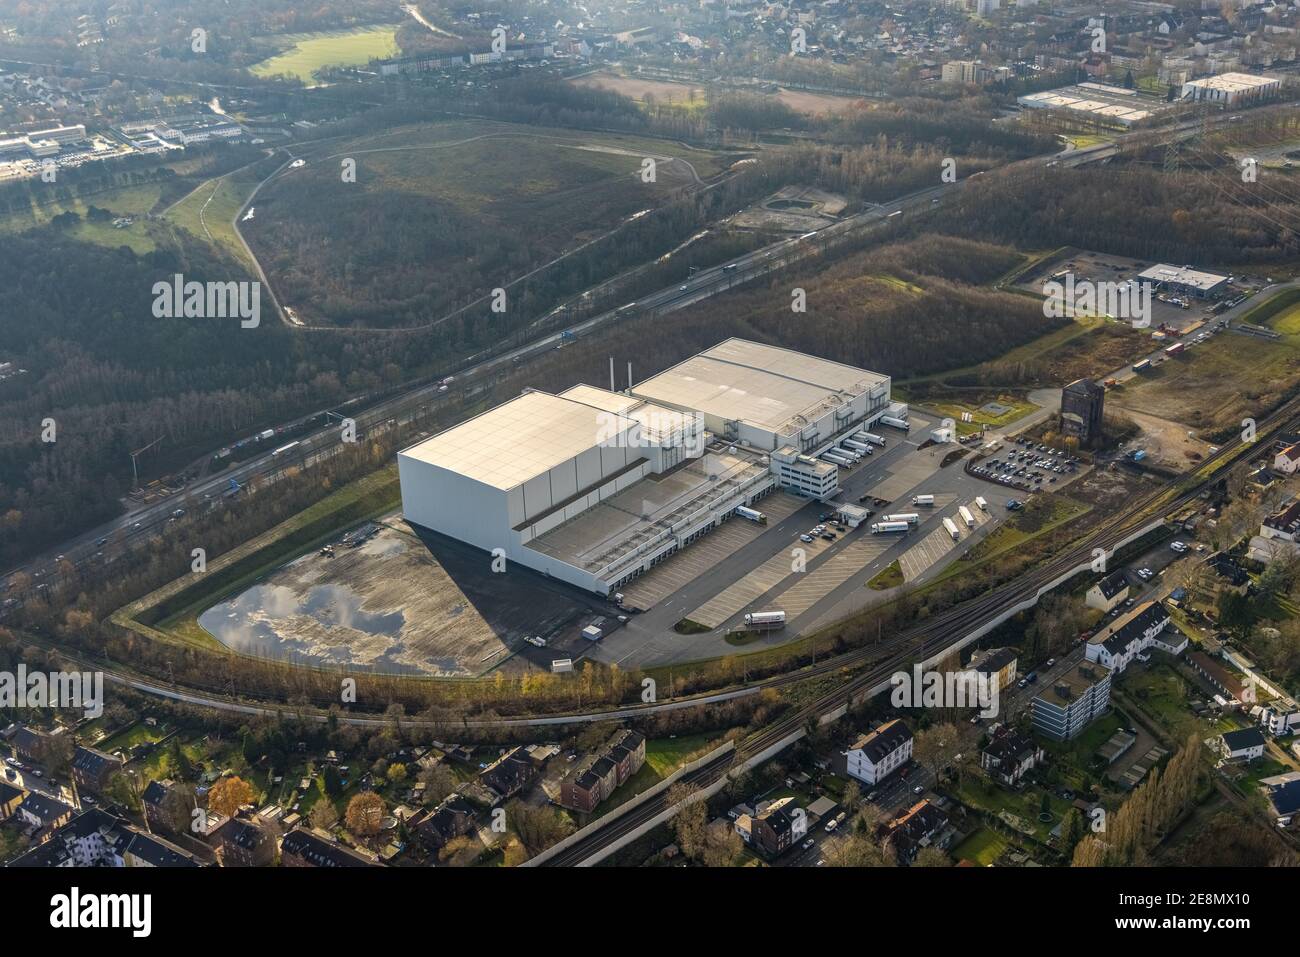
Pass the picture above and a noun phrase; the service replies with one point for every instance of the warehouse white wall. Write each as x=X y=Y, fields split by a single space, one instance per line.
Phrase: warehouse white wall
x=454 y=505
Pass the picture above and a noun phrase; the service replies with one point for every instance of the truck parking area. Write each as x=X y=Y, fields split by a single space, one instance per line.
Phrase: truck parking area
x=744 y=567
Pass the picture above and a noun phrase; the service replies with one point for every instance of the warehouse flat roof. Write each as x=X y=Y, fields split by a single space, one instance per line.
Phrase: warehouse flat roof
x=765 y=386
x=657 y=421
x=519 y=439
x=1111 y=102
x=1183 y=275
x=1233 y=82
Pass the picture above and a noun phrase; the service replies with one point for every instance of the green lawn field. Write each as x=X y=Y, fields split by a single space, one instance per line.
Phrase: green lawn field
x=312 y=51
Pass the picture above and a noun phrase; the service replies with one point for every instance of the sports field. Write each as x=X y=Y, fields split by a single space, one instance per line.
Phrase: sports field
x=310 y=52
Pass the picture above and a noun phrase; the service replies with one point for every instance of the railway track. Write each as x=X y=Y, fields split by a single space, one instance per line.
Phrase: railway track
x=945 y=630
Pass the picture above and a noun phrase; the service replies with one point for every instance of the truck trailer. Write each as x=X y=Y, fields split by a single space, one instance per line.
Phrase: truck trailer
x=857 y=446
x=895 y=423
x=922 y=499
x=880 y=528
x=912 y=518
x=765 y=620
x=870 y=437
x=952 y=529
x=966 y=516
x=981 y=503
x=753 y=514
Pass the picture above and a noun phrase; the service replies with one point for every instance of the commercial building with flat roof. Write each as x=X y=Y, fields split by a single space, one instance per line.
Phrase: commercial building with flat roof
x=767 y=397
x=595 y=487
x=1097 y=101
x=1232 y=89
x=1183 y=279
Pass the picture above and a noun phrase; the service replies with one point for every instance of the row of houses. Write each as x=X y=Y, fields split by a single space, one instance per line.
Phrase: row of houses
x=1134 y=635
x=95 y=837
x=588 y=786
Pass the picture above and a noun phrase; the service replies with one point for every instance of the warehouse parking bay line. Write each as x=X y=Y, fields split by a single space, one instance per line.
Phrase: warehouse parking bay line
x=753 y=586
x=707 y=553
x=831 y=574
x=925 y=553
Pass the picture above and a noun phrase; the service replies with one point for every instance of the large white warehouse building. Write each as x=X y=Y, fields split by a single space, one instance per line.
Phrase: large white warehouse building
x=595 y=487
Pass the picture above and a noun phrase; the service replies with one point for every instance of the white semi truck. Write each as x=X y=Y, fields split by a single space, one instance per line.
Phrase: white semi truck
x=765 y=620
x=880 y=528
x=911 y=518
x=922 y=499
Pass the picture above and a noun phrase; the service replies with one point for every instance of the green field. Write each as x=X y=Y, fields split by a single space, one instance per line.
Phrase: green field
x=310 y=52
x=983 y=847
x=130 y=201
x=891 y=576
x=663 y=756
x=1016 y=408
x=209 y=211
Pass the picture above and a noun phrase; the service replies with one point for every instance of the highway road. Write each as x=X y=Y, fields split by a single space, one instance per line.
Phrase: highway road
x=116 y=538
x=942 y=631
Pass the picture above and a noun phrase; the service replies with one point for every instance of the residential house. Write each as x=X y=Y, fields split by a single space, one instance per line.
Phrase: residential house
x=92 y=769
x=920 y=826
x=156 y=801
x=591 y=783
x=449 y=820
x=1245 y=745
x=150 y=850
x=778 y=827
x=244 y=841
x=1281 y=716
x=1279 y=534
x=1287 y=461
x=1108 y=593
x=313 y=848
x=44 y=812
x=876 y=755
x=96 y=838
x=1283 y=793
x=1134 y=633
x=31 y=744
x=1000 y=661
x=10 y=798
x=1220 y=573
x=1229 y=685
x=1010 y=755
x=509 y=774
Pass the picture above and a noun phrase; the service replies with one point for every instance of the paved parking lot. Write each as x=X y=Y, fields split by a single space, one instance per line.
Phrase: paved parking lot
x=815 y=585
x=925 y=553
x=757 y=583
x=707 y=553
